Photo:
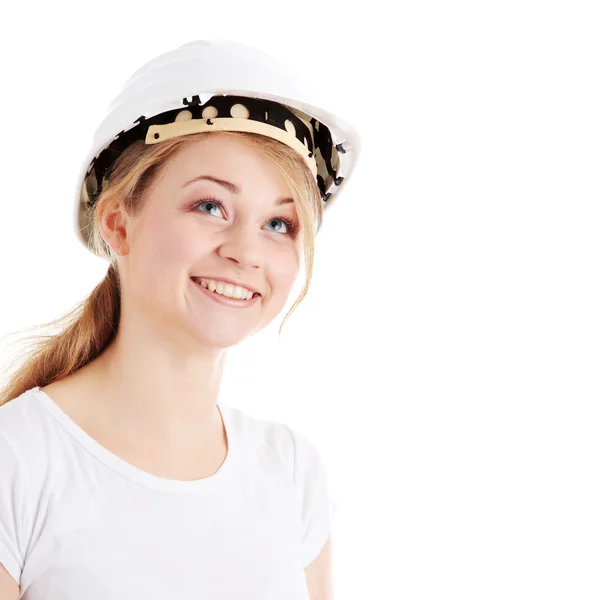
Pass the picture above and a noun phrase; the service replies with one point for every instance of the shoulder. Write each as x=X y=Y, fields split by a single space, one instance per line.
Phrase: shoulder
x=270 y=432
x=21 y=453
x=25 y=429
x=21 y=416
x=280 y=441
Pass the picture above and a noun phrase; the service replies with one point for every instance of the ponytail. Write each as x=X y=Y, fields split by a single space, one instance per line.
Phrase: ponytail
x=84 y=333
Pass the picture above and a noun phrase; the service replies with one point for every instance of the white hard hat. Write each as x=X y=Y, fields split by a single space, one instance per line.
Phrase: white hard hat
x=212 y=86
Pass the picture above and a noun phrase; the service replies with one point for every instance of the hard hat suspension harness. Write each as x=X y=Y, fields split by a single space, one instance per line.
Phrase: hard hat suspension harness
x=303 y=133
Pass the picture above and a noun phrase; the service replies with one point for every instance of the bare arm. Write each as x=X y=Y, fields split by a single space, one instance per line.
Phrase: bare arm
x=319 y=579
x=9 y=588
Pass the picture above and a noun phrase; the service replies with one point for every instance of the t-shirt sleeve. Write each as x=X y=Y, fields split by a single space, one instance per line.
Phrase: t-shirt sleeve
x=311 y=483
x=14 y=513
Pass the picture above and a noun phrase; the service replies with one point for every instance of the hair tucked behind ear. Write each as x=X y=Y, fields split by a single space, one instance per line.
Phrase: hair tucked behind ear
x=90 y=327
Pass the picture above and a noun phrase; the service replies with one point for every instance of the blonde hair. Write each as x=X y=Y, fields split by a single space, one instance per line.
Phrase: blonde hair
x=89 y=328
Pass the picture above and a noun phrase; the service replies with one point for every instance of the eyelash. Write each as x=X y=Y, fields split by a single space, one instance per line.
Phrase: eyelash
x=292 y=228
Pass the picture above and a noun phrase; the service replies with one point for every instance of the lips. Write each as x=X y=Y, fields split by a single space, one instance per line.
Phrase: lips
x=225 y=300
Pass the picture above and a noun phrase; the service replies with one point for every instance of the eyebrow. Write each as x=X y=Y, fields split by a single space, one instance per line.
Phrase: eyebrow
x=230 y=187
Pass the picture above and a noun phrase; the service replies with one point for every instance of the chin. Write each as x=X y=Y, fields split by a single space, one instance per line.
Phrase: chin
x=224 y=339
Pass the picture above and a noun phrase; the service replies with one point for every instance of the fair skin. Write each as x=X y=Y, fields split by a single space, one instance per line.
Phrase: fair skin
x=160 y=378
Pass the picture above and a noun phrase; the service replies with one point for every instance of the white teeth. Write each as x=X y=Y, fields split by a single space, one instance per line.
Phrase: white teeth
x=239 y=292
x=227 y=289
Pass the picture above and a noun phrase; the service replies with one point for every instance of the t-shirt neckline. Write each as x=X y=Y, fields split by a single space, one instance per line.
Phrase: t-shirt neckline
x=135 y=474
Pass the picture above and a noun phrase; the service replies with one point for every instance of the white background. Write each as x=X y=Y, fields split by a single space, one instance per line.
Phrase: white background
x=445 y=362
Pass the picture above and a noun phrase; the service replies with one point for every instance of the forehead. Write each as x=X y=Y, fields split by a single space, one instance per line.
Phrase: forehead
x=230 y=159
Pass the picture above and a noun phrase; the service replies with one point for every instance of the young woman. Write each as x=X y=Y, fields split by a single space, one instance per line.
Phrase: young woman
x=121 y=473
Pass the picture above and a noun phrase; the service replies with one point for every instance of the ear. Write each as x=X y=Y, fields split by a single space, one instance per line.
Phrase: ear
x=113 y=223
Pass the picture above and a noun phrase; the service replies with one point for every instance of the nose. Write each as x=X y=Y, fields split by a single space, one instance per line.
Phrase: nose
x=242 y=246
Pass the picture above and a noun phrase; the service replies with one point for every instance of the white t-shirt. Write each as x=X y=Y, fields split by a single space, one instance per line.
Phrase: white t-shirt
x=79 y=523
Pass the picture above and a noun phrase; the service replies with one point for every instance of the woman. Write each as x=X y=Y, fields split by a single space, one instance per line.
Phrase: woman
x=121 y=473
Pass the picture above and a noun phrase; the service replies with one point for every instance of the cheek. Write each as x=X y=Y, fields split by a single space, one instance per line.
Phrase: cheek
x=285 y=269
x=165 y=250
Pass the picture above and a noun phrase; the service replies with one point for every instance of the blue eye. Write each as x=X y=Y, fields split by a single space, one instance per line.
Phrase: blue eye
x=210 y=201
x=291 y=228
x=285 y=222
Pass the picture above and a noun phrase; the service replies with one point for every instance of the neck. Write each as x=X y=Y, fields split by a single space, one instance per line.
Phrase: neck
x=158 y=389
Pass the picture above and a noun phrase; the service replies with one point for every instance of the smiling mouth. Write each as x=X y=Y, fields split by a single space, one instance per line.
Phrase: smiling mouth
x=224 y=290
